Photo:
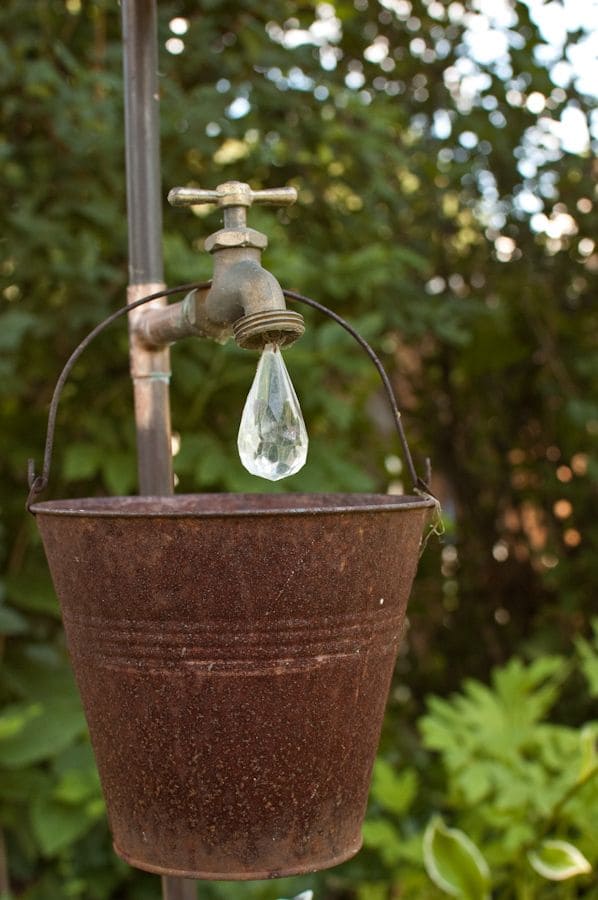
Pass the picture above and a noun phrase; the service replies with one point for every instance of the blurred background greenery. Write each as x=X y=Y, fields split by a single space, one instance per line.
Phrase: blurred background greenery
x=442 y=153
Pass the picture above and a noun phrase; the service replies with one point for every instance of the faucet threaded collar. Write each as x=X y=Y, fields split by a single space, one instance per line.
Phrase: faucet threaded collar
x=274 y=326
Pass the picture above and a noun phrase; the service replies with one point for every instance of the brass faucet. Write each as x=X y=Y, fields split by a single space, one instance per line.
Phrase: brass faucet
x=244 y=300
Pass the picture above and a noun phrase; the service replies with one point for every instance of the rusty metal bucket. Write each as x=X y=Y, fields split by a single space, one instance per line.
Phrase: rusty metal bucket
x=234 y=655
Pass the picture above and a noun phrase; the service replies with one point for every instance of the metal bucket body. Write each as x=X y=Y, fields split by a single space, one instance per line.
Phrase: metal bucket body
x=234 y=655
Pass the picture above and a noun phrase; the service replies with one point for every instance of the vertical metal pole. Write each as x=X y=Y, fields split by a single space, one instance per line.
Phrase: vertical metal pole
x=150 y=369
x=178 y=889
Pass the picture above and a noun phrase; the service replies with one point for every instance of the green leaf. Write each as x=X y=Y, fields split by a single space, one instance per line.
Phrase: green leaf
x=407 y=255
x=82 y=461
x=15 y=718
x=588 y=740
x=394 y=791
x=119 y=472
x=78 y=756
x=558 y=860
x=588 y=654
x=454 y=863
x=21 y=786
x=12 y=622
x=372 y=890
x=34 y=732
x=381 y=835
x=475 y=781
x=75 y=787
x=56 y=825
x=14 y=325
x=36 y=676
x=33 y=592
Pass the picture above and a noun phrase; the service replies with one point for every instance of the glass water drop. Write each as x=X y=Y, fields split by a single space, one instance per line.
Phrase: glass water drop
x=272 y=438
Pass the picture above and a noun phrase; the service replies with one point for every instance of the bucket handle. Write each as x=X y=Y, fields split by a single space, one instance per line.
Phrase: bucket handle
x=39 y=482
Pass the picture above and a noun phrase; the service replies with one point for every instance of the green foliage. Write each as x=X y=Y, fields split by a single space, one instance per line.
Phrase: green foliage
x=589 y=659
x=400 y=227
x=395 y=791
x=454 y=863
x=57 y=824
x=33 y=732
x=558 y=860
x=522 y=788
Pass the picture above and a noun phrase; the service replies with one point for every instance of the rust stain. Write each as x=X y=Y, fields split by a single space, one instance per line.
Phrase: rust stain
x=234 y=657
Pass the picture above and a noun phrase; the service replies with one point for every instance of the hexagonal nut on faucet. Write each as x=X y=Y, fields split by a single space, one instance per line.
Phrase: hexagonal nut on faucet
x=234 y=198
x=236 y=237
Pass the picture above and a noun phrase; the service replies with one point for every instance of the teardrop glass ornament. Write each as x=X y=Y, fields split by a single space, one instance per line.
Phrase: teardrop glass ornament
x=272 y=438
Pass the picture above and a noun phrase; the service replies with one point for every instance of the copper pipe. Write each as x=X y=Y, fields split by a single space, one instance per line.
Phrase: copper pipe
x=150 y=369
x=178 y=889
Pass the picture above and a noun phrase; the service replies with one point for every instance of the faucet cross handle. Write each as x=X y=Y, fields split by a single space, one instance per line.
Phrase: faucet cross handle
x=234 y=198
x=231 y=194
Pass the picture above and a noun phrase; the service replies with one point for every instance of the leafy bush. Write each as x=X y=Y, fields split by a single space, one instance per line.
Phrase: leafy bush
x=521 y=790
x=51 y=808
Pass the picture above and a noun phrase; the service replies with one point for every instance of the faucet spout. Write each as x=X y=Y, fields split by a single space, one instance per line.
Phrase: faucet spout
x=248 y=298
x=242 y=288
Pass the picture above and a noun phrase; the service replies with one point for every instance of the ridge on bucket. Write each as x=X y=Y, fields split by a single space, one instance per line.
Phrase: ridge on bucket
x=234 y=654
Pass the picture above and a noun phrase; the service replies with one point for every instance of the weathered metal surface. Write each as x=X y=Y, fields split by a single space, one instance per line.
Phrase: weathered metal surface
x=234 y=654
x=150 y=371
x=142 y=139
x=232 y=195
x=178 y=889
x=243 y=293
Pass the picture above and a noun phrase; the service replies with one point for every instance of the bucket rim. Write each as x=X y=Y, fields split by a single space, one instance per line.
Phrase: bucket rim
x=239 y=505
